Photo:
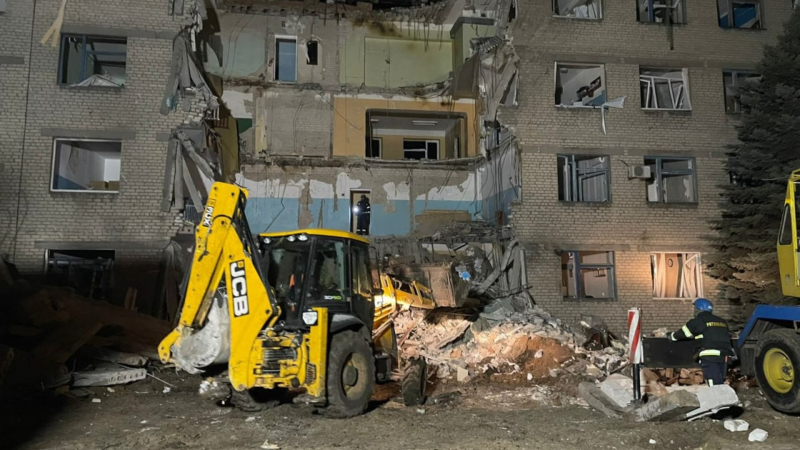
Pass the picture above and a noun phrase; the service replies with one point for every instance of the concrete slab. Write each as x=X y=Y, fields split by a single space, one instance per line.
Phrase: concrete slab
x=712 y=400
x=619 y=389
x=671 y=407
x=597 y=399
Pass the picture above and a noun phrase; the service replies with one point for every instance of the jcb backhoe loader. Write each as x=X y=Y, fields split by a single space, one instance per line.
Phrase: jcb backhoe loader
x=283 y=310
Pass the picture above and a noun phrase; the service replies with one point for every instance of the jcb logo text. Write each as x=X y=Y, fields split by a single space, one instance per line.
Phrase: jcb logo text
x=241 y=307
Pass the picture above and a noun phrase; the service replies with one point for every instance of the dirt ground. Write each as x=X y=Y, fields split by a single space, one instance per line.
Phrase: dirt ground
x=486 y=415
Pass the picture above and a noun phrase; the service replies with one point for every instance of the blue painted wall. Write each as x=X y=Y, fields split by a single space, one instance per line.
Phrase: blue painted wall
x=273 y=214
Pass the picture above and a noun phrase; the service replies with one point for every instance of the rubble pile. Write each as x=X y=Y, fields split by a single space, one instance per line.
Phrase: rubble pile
x=669 y=377
x=53 y=338
x=506 y=338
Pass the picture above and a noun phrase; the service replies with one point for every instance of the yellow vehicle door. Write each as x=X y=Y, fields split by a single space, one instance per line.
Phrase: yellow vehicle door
x=787 y=239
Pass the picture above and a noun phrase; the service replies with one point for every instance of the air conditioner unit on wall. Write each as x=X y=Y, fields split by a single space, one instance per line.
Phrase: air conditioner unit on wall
x=641 y=172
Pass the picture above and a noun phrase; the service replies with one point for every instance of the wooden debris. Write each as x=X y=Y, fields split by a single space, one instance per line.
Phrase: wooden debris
x=59 y=345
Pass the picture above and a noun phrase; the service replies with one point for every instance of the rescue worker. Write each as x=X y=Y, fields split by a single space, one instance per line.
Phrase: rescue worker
x=362 y=211
x=715 y=341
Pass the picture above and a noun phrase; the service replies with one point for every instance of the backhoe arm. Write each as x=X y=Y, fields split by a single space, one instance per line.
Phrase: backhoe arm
x=209 y=331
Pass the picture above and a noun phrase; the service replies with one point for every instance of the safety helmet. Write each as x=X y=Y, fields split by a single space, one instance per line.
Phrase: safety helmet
x=702 y=304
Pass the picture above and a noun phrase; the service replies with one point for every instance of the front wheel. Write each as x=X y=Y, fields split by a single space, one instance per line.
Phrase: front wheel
x=351 y=375
x=777 y=363
x=415 y=379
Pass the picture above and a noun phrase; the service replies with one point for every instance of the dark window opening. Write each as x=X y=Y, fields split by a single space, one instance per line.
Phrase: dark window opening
x=86 y=271
x=92 y=61
x=674 y=180
x=733 y=81
x=661 y=11
x=744 y=14
x=588 y=275
x=312 y=53
x=374 y=147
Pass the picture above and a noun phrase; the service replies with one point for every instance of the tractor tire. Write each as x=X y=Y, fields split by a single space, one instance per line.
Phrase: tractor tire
x=777 y=368
x=255 y=400
x=351 y=375
x=415 y=379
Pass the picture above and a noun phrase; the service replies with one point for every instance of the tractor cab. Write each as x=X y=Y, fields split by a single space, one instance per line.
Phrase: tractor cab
x=788 y=250
x=319 y=268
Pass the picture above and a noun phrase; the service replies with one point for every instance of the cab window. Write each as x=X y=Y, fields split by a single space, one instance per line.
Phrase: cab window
x=362 y=277
x=328 y=280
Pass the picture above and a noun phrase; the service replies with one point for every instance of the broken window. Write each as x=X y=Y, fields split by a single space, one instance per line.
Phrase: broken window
x=674 y=180
x=312 y=53
x=580 y=85
x=664 y=89
x=86 y=165
x=578 y=9
x=733 y=80
x=374 y=148
x=92 y=61
x=286 y=62
x=740 y=14
x=413 y=149
x=583 y=178
x=658 y=11
x=676 y=275
x=86 y=271
x=588 y=275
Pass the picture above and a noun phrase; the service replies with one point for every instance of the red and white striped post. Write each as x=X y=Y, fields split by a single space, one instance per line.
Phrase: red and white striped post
x=636 y=352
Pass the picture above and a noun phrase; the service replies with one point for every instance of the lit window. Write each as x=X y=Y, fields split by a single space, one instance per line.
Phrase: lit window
x=659 y=11
x=286 y=63
x=86 y=166
x=583 y=178
x=733 y=80
x=579 y=85
x=676 y=275
x=588 y=275
x=578 y=9
x=673 y=181
x=740 y=14
x=664 y=89
x=92 y=61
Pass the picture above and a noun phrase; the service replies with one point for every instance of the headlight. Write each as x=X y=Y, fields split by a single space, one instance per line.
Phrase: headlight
x=355 y=209
x=291 y=238
x=302 y=238
x=379 y=301
x=310 y=317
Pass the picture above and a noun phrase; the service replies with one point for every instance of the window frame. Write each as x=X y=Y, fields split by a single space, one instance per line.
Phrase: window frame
x=659 y=176
x=85 y=54
x=735 y=74
x=81 y=191
x=698 y=275
x=554 y=4
x=652 y=13
x=426 y=141
x=603 y=81
x=570 y=158
x=610 y=268
x=284 y=38
x=731 y=26
x=686 y=93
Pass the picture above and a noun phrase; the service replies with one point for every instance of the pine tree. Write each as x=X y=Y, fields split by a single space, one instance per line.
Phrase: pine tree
x=768 y=151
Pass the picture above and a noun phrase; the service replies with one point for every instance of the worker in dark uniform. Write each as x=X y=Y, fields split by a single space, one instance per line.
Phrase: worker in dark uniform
x=362 y=211
x=714 y=338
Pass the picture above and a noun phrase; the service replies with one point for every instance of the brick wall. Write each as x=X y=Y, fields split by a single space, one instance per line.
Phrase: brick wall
x=109 y=221
x=628 y=225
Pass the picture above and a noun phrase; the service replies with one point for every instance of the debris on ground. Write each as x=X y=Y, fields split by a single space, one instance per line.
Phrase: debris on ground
x=43 y=332
x=758 y=435
x=736 y=425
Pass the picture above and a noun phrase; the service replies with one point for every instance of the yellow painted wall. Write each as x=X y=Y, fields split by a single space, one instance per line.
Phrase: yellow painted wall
x=350 y=117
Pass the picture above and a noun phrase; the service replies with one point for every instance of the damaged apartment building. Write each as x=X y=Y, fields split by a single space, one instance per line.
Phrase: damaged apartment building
x=596 y=130
x=87 y=120
x=119 y=118
x=333 y=102
x=626 y=108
